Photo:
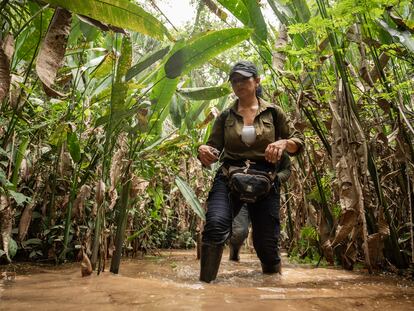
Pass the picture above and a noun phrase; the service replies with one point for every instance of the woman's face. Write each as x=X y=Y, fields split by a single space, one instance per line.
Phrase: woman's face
x=244 y=86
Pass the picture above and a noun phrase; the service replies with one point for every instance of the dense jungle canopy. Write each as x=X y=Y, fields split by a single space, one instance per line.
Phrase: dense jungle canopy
x=104 y=103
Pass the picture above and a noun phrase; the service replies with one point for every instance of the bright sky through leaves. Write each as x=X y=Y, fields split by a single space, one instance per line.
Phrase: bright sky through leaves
x=181 y=11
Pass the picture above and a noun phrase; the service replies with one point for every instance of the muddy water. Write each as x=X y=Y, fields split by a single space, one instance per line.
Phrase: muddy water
x=170 y=282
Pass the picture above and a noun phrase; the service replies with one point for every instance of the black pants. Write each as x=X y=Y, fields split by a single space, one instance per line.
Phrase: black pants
x=264 y=214
x=240 y=227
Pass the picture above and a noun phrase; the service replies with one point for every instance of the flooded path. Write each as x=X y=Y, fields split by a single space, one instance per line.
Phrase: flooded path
x=170 y=282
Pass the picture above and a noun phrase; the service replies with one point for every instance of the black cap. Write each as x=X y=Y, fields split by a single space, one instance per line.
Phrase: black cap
x=245 y=68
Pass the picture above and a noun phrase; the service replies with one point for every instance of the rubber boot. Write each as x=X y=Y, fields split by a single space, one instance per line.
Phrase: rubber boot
x=271 y=269
x=234 y=252
x=210 y=261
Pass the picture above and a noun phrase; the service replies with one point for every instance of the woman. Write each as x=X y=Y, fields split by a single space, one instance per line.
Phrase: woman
x=246 y=131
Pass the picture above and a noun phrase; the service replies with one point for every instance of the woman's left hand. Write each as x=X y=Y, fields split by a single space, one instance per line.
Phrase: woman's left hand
x=274 y=151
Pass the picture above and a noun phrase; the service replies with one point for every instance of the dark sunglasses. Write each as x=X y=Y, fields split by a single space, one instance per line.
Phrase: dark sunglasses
x=239 y=80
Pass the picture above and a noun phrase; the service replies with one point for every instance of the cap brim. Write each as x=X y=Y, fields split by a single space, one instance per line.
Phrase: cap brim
x=242 y=72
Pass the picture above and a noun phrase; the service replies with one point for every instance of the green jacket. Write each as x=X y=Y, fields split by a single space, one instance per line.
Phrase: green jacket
x=284 y=168
x=226 y=133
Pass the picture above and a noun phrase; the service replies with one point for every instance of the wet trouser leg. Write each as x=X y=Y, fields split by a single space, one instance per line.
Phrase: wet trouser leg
x=219 y=214
x=216 y=230
x=264 y=216
x=239 y=232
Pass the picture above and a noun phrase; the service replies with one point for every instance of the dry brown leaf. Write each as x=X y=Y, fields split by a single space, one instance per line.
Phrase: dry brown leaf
x=99 y=192
x=350 y=256
x=8 y=46
x=279 y=58
x=211 y=116
x=6 y=220
x=4 y=74
x=328 y=252
x=138 y=186
x=383 y=227
x=375 y=247
x=216 y=10
x=65 y=164
x=353 y=34
x=86 y=266
x=62 y=202
x=78 y=205
x=115 y=171
x=52 y=51
x=383 y=60
x=365 y=73
x=24 y=170
x=15 y=89
x=345 y=226
x=87 y=241
x=25 y=220
x=118 y=162
x=113 y=195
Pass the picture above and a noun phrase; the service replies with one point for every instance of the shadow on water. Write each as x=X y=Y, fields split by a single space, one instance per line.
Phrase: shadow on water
x=170 y=282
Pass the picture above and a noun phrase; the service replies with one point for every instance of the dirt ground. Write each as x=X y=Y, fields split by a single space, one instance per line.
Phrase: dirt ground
x=170 y=282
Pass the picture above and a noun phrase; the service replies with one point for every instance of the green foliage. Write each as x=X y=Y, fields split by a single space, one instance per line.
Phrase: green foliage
x=315 y=194
x=190 y=197
x=306 y=248
x=238 y=9
x=336 y=211
x=146 y=62
x=205 y=93
x=120 y=13
x=74 y=146
x=19 y=198
x=12 y=248
x=202 y=49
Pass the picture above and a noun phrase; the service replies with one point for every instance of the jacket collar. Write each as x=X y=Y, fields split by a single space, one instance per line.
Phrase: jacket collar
x=263 y=105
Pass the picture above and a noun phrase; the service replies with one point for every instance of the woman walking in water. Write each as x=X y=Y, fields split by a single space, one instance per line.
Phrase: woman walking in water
x=251 y=136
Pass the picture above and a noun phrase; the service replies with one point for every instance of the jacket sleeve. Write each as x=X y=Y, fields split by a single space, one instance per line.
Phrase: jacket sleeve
x=284 y=168
x=216 y=138
x=287 y=131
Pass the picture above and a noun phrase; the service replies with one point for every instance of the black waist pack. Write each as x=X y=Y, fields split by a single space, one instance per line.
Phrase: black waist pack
x=249 y=185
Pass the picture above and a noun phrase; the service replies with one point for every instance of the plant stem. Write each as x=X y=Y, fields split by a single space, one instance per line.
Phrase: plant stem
x=121 y=224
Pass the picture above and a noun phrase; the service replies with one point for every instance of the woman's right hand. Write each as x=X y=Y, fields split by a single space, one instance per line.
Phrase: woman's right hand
x=207 y=154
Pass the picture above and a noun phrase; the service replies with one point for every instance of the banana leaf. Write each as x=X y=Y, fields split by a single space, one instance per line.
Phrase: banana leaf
x=205 y=93
x=194 y=113
x=301 y=9
x=120 y=88
x=257 y=21
x=186 y=56
x=260 y=34
x=120 y=13
x=163 y=89
x=405 y=37
x=204 y=48
x=177 y=110
x=190 y=197
x=145 y=63
x=52 y=51
x=238 y=9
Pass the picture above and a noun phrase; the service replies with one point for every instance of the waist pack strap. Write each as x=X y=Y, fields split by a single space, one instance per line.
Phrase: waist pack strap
x=228 y=171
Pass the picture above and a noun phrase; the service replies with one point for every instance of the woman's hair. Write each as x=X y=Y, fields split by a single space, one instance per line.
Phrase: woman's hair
x=259 y=91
